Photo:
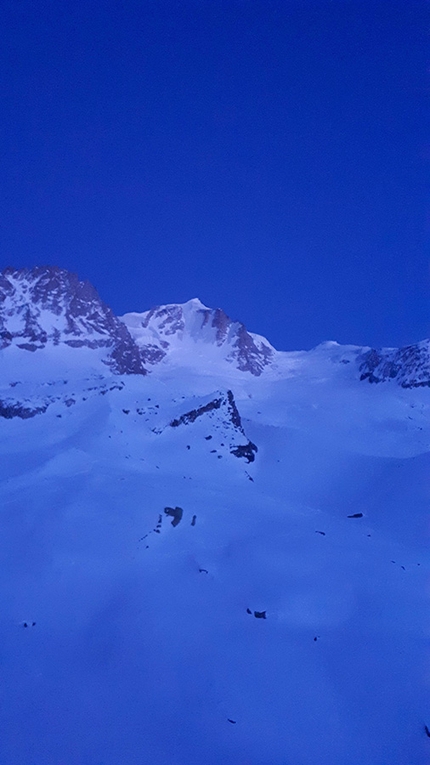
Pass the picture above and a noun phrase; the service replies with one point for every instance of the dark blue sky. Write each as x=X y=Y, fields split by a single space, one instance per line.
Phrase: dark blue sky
x=270 y=157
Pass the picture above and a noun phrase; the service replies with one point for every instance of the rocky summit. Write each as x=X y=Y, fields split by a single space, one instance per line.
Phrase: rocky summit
x=192 y=329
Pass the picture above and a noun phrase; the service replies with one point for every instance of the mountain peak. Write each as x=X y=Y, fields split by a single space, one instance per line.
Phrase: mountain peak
x=192 y=333
x=196 y=303
x=49 y=306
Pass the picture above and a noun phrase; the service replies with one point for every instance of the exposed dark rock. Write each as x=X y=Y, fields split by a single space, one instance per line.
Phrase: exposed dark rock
x=233 y=411
x=176 y=513
x=191 y=416
x=355 y=515
x=248 y=356
x=28 y=296
x=408 y=366
x=152 y=354
x=193 y=522
x=231 y=721
x=29 y=347
x=246 y=451
x=248 y=611
x=230 y=414
x=427 y=730
x=11 y=410
x=320 y=532
x=260 y=614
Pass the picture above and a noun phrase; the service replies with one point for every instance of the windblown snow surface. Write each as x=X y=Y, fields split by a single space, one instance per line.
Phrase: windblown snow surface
x=142 y=644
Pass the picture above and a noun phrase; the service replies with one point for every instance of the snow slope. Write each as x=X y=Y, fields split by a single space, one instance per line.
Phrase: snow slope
x=143 y=648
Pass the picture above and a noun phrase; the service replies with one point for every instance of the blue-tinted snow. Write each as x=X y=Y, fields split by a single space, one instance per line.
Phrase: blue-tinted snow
x=139 y=657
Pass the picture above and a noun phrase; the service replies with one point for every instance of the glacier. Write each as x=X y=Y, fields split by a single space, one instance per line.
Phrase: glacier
x=166 y=478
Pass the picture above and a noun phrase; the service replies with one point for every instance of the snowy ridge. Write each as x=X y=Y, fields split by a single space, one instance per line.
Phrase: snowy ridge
x=48 y=306
x=45 y=308
x=190 y=333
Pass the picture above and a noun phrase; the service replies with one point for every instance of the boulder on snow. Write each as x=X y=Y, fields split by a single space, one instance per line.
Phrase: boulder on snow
x=247 y=451
x=176 y=513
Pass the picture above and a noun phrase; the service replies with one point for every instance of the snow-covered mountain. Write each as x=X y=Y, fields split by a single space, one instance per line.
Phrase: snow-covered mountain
x=212 y=551
x=49 y=306
x=190 y=332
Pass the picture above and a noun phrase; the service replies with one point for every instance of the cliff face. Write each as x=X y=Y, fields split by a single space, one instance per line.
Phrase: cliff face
x=409 y=366
x=49 y=306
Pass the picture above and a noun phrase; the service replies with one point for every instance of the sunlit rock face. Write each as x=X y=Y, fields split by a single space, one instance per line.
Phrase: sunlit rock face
x=191 y=329
x=409 y=366
x=49 y=306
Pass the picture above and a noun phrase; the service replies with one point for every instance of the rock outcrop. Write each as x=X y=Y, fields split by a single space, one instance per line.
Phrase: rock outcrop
x=49 y=306
x=409 y=366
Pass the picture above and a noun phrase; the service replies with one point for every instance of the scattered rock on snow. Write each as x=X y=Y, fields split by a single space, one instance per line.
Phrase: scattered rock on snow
x=8 y=410
x=175 y=513
x=247 y=451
